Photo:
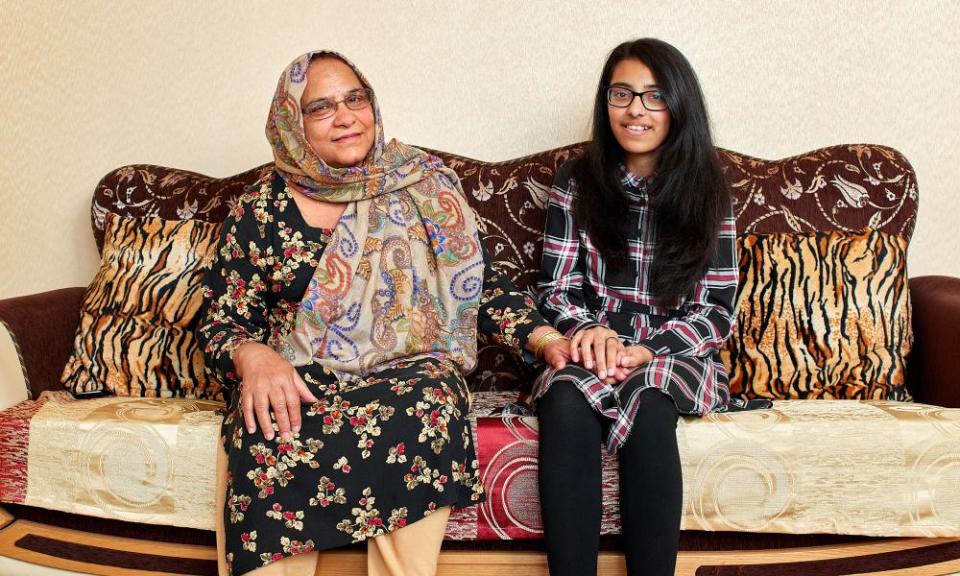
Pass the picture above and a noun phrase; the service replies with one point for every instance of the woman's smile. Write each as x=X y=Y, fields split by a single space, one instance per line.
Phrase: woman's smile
x=348 y=138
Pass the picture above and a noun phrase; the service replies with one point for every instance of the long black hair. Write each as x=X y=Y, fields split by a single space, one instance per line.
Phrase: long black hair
x=689 y=196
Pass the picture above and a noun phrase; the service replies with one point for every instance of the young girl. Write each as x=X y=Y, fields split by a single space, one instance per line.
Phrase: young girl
x=640 y=271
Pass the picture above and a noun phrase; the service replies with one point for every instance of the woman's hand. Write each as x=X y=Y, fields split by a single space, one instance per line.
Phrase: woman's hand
x=556 y=352
x=633 y=357
x=597 y=349
x=269 y=381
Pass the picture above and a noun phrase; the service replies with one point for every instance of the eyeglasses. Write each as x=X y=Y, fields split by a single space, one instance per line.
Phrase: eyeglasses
x=325 y=107
x=621 y=97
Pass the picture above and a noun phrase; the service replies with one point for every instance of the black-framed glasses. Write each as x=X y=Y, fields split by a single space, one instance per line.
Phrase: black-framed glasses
x=323 y=108
x=621 y=97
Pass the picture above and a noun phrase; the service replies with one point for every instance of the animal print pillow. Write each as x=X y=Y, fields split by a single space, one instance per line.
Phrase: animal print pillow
x=138 y=316
x=824 y=315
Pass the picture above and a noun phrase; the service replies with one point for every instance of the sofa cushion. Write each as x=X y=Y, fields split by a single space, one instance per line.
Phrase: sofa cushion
x=147 y=460
x=137 y=318
x=823 y=315
x=888 y=468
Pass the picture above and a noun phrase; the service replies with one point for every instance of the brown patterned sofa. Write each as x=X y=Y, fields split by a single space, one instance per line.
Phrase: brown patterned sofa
x=810 y=487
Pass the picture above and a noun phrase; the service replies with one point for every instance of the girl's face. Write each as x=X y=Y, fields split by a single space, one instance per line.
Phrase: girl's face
x=639 y=131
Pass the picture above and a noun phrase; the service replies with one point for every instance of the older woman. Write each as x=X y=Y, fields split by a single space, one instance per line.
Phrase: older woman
x=342 y=315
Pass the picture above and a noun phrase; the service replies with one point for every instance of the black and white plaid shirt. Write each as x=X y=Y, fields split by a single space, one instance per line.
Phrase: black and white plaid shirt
x=577 y=290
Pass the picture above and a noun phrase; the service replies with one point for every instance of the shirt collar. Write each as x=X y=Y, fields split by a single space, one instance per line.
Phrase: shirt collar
x=633 y=183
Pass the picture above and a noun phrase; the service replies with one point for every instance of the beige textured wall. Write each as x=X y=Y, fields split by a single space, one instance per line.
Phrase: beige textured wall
x=89 y=86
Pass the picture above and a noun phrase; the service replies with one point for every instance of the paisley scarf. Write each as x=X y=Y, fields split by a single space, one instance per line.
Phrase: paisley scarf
x=402 y=273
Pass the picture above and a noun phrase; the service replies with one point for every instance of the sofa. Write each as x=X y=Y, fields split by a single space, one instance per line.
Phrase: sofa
x=835 y=479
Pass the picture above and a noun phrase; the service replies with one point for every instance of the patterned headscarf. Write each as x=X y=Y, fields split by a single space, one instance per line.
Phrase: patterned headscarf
x=402 y=273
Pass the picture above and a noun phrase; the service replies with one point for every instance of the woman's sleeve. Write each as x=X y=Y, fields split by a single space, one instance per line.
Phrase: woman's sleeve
x=560 y=286
x=507 y=316
x=235 y=291
x=709 y=316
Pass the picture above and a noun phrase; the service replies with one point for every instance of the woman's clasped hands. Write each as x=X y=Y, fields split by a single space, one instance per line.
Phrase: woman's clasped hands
x=600 y=350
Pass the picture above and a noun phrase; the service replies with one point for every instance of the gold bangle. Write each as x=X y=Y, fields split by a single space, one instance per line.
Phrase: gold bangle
x=540 y=343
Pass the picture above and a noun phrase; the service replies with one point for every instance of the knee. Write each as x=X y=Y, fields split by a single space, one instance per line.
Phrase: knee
x=564 y=412
x=563 y=399
x=655 y=409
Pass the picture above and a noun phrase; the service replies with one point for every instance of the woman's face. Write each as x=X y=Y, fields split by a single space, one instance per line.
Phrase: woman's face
x=639 y=131
x=345 y=138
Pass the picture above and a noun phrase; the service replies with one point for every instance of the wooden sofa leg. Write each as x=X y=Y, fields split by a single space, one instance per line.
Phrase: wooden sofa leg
x=6 y=518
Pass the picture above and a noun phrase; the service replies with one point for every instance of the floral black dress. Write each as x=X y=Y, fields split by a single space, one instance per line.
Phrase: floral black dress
x=372 y=455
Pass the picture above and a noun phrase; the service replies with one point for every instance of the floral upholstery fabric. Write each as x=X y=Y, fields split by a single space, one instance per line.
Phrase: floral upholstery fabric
x=890 y=469
x=846 y=188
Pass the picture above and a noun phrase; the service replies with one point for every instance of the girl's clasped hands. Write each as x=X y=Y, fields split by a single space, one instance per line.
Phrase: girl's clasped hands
x=600 y=350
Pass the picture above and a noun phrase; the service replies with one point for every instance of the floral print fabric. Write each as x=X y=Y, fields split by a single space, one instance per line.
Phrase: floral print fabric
x=375 y=453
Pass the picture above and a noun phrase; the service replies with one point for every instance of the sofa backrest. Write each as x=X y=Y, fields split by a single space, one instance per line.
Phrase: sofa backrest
x=847 y=188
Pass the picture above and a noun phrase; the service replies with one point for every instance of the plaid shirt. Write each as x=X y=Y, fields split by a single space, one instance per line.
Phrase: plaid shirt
x=577 y=290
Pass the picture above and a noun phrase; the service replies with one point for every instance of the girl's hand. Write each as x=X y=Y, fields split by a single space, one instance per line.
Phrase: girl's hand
x=268 y=382
x=628 y=359
x=597 y=349
x=632 y=357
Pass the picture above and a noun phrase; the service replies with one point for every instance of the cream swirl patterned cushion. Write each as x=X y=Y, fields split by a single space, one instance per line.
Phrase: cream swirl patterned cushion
x=876 y=468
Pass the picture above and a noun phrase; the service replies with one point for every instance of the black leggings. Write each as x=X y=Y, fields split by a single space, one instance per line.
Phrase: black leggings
x=651 y=488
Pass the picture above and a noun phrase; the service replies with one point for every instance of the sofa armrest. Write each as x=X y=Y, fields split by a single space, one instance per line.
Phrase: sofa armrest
x=933 y=367
x=13 y=385
x=42 y=327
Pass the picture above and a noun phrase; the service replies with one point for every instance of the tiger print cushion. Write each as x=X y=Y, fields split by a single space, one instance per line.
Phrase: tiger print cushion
x=823 y=315
x=138 y=316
